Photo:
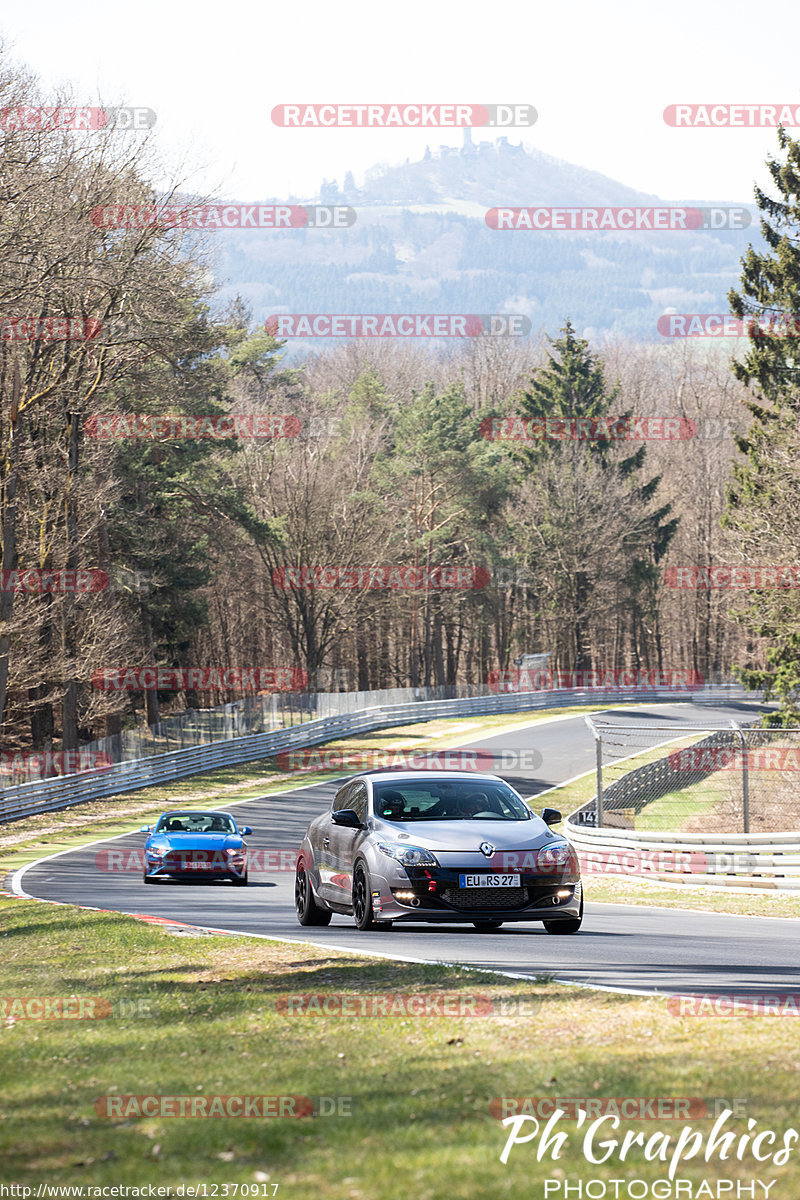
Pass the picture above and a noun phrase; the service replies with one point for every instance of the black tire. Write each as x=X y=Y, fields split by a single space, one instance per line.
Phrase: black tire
x=147 y=878
x=239 y=880
x=363 y=914
x=487 y=926
x=306 y=907
x=567 y=925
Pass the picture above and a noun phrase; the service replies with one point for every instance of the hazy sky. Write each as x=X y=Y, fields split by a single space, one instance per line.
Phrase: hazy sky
x=599 y=75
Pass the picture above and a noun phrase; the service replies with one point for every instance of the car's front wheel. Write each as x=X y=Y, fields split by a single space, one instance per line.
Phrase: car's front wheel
x=567 y=925
x=239 y=880
x=147 y=878
x=363 y=912
x=308 y=911
x=487 y=926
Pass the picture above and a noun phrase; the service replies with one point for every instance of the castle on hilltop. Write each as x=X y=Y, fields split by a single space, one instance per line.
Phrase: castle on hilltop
x=500 y=145
x=330 y=193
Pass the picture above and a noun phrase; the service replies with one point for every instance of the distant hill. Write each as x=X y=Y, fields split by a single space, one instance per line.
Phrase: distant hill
x=421 y=244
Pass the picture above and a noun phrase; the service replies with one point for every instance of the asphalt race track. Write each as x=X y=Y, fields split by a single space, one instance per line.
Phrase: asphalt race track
x=633 y=948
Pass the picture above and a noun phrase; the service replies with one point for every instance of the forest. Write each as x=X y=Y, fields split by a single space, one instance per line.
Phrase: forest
x=181 y=504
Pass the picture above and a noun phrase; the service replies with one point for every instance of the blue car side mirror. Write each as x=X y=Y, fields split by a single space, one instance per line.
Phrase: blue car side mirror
x=245 y=830
x=144 y=829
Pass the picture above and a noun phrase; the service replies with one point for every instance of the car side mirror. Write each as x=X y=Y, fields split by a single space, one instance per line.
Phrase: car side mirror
x=347 y=817
x=551 y=816
x=245 y=830
x=144 y=829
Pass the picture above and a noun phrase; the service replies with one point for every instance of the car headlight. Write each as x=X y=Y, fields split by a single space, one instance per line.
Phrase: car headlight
x=555 y=857
x=409 y=856
x=234 y=852
x=154 y=853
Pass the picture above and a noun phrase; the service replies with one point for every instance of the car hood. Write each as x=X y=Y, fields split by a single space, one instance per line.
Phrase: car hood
x=195 y=841
x=468 y=835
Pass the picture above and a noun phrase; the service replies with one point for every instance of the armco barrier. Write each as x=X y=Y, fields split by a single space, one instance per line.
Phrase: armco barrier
x=28 y=799
x=754 y=860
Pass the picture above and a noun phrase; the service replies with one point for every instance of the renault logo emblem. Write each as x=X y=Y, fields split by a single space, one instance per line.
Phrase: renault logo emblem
x=486 y=848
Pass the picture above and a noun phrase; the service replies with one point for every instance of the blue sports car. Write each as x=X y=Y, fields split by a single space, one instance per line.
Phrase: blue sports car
x=197 y=845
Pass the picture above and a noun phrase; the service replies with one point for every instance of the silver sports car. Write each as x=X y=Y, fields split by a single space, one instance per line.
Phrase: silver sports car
x=436 y=846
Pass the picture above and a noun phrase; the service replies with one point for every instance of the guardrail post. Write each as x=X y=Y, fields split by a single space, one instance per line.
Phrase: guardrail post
x=745 y=780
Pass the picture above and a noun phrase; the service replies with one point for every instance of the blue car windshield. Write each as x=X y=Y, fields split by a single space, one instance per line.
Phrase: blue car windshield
x=448 y=800
x=195 y=822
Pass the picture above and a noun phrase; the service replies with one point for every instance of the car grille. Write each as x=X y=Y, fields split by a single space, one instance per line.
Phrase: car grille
x=488 y=897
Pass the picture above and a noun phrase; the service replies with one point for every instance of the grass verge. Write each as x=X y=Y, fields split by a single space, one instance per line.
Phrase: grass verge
x=410 y=1095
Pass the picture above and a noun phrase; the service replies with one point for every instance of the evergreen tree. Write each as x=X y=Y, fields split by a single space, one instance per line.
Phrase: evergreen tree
x=761 y=497
x=573 y=388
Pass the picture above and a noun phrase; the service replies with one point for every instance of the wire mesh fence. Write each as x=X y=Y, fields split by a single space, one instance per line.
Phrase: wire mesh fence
x=261 y=713
x=201 y=727
x=694 y=779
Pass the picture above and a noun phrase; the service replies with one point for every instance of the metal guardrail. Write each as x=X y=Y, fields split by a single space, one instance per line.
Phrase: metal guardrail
x=769 y=861
x=763 y=861
x=29 y=799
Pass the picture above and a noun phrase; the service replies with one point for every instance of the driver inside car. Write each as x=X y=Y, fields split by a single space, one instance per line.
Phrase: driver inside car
x=478 y=802
x=393 y=806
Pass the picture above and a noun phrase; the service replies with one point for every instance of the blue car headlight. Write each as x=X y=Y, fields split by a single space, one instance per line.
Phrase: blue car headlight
x=409 y=856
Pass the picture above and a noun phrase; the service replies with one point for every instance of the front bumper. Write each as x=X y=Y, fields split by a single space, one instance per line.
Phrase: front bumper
x=195 y=865
x=434 y=894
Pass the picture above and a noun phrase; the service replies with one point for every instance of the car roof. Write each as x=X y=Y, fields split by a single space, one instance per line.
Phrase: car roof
x=196 y=812
x=425 y=776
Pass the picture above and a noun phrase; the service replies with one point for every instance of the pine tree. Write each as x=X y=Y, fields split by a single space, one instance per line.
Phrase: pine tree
x=762 y=494
x=573 y=386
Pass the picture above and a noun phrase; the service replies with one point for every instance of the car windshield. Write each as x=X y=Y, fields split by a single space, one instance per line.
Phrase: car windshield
x=448 y=800
x=196 y=822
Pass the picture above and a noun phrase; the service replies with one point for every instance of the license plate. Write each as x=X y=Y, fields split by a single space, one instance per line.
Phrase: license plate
x=493 y=880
